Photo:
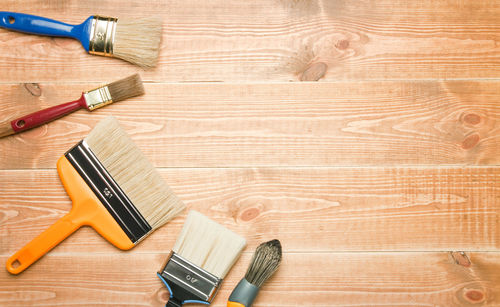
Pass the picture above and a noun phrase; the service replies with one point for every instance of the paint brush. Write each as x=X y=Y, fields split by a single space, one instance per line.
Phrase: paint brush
x=91 y=100
x=114 y=189
x=265 y=262
x=201 y=257
x=136 y=41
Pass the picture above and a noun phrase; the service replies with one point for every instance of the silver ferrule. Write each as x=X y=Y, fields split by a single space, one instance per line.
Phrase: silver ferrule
x=97 y=98
x=102 y=35
x=196 y=283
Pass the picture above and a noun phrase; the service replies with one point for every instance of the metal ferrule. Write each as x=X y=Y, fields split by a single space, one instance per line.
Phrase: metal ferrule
x=108 y=192
x=97 y=98
x=102 y=35
x=188 y=282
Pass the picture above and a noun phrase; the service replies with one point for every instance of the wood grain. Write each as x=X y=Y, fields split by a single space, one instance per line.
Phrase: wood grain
x=355 y=209
x=290 y=124
x=274 y=40
x=379 y=172
x=319 y=279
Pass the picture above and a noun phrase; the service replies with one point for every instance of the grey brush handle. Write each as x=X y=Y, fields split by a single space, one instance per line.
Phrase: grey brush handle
x=244 y=293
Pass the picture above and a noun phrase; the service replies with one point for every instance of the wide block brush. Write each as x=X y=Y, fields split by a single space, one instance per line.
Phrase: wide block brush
x=91 y=100
x=201 y=257
x=265 y=262
x=136 y=41
x=114 y=189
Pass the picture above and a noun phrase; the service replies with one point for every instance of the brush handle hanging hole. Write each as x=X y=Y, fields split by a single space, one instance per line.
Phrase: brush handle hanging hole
x=12 y=19
x=20 y=123
x=16 y=264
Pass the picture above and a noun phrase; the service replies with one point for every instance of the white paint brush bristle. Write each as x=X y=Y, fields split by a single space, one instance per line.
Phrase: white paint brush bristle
x=208 y=244
x=135 y=175
x=138 y=41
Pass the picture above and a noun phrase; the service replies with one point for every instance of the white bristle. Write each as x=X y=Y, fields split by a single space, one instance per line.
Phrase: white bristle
x=138 y=41
x=209 y=245
x=135 y=175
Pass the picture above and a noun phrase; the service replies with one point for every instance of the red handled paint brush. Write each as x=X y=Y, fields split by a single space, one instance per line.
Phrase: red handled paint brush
x=91 y=100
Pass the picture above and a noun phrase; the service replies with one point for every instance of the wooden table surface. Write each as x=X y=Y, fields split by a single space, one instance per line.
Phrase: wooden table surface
x=365 y=135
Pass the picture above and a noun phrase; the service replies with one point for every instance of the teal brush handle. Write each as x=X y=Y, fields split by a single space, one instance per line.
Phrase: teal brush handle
x=44 y=26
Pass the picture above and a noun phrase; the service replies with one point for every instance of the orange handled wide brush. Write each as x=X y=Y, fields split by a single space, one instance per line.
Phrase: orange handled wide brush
x=114 y=189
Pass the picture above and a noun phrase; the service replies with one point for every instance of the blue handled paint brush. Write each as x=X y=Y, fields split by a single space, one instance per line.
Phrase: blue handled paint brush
x=203 y=254
x=136 y=41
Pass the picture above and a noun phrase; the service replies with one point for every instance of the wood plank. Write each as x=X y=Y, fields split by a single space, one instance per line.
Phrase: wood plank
x=306 y=124
x=343 y=209
x=279 y=40
x=382 y=180
x=310 y=279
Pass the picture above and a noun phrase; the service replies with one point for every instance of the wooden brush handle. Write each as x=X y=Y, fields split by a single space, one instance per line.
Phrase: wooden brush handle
x=6 y=128
x=43 y=116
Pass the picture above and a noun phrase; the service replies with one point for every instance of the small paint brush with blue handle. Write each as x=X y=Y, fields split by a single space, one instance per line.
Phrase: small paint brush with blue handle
x=136 y=41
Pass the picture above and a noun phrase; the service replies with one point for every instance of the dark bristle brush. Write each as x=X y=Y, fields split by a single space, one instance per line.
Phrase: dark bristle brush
x=265 y=262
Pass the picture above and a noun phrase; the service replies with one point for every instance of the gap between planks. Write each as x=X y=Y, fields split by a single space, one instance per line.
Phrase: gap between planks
x=309 y=279
x=250 y=252
x=242 y=83
x=300 y=167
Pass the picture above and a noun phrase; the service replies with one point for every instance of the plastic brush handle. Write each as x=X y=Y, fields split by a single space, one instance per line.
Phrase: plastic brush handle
x=243 y=295
x=46 y=115
x=42 y=244
x=87 y=210
x=45 y=26
x=35 y=24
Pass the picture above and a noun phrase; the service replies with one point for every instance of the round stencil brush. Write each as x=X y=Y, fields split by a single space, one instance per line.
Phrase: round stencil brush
x=265 y=262
x=136 y=41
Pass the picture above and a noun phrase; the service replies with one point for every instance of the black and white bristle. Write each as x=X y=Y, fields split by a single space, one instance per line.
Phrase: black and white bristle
x=265 y=262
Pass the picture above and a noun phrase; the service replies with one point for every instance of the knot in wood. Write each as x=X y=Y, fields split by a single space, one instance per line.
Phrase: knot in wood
x=342 y=44
x=474 y=296
x=472 y=119
x=314 y=72
x=162 y=294
x=461 y=258
x=249 y=214
x=33 y=88
x=470 y=141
